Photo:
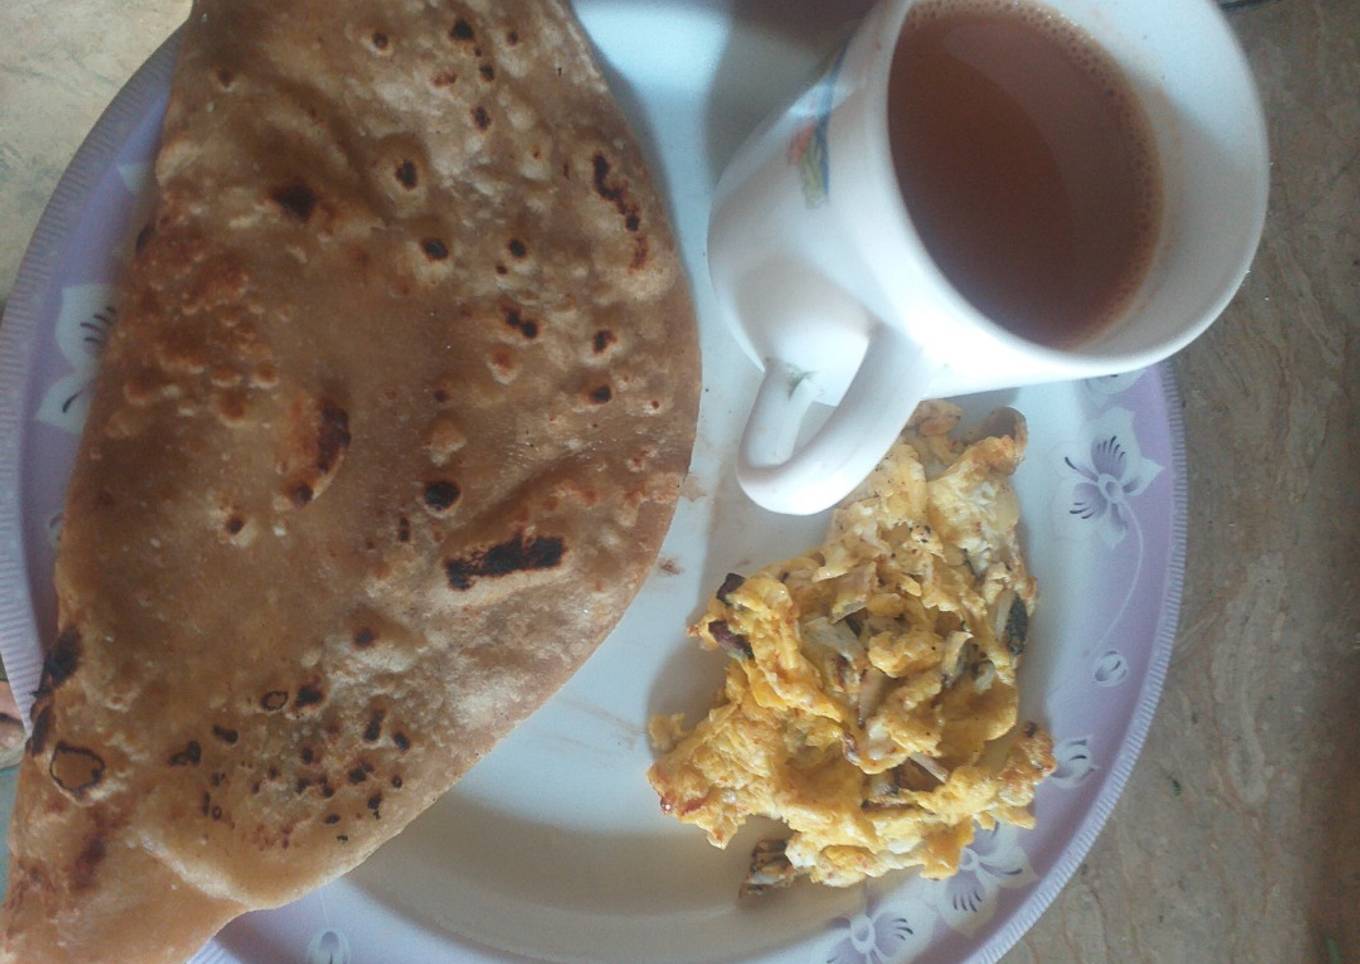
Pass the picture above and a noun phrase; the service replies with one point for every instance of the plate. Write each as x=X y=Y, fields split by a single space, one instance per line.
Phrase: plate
x=553 y=847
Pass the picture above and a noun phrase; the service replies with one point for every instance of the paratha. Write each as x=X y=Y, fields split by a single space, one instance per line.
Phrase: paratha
x=387 y=437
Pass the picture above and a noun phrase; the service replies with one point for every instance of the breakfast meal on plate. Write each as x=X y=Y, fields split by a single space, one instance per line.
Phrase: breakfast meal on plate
x=393 y=421
x=871 y=702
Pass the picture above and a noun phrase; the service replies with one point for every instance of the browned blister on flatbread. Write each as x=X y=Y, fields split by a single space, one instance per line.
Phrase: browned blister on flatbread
x=389 y=432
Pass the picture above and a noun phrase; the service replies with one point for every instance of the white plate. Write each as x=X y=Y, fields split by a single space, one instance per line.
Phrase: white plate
x=553 y=847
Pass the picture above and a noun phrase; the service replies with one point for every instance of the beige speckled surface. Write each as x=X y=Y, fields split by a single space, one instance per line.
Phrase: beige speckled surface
x=1238 y=837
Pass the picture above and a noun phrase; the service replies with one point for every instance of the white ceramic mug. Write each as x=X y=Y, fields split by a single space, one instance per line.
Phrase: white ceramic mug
x=828 y=287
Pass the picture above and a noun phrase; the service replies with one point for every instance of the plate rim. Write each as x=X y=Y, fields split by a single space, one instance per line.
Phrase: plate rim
x=1079 y=845
x=19 y=342
x=20 y=334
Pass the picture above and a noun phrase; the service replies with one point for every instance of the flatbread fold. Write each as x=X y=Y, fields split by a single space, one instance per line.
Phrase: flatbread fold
x=386 y=439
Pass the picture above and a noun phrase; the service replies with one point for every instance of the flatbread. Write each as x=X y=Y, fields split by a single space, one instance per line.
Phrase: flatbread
x=388 y=435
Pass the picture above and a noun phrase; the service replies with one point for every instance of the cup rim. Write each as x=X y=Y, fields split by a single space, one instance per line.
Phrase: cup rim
x=1082 y=361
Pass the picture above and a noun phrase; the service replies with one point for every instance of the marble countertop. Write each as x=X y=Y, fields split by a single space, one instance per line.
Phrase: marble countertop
x=1238 y=836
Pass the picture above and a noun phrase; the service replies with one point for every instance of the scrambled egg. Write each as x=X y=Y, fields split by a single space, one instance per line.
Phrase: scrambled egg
x=871 y=700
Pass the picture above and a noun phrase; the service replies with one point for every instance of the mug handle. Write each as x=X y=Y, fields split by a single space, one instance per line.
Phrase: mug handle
x=890 y=383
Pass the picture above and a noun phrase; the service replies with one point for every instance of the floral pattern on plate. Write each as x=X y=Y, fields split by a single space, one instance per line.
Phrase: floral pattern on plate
x=1105 y=473
x=87 y=315
x=881 y=933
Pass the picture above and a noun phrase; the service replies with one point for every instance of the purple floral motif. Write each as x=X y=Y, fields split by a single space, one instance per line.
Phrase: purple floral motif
x=1100 y=478
x=1106 y=387
x=882 y=935
x=88 y=313
x=1108 y=473
x=1074 y=762
x=329 y=947
x=54 y=529
x=993 y=862
x=1111 y=669
x=136 y=178
x=86 y=316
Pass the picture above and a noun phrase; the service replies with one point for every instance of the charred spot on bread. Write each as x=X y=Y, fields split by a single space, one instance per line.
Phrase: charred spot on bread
x=374 y=728
x=407 y=175
x=519 y=553
x=309 y=694
x=441 y=494
x=525 y=326
x=62 y=659
x=274 y=700
x=602 y=340
x=333 y=436
x=87 y=861
x=42 y=726
x=296 y=200
x=75 y=769
x=189 y=756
